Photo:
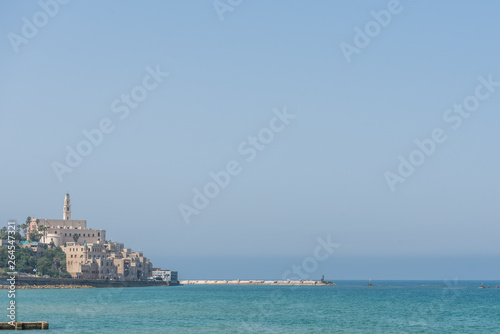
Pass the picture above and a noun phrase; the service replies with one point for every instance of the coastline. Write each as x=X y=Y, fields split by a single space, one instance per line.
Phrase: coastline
x=71 y=286
x=24 y=282
x=68 y=283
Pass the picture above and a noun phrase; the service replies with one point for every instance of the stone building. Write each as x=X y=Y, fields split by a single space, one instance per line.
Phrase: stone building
x=169 y=276
x=106 y=261
x=91 y=256
x=61 y=231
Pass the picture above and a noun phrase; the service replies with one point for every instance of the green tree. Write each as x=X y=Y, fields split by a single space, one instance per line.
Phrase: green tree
x=24 y=227
x=43 y=229
x=57 y=262
x=3 y=233
x=35 y=235
x=4 y=256
x=57 y=259
x=76 y=236
x=17 y=233
x=44 y=266
x=25 y=259
x=49 y=261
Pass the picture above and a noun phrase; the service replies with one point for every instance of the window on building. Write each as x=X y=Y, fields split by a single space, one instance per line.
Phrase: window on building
x=98 y=234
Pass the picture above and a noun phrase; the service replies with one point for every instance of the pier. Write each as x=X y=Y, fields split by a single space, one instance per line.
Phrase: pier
x=20 y=325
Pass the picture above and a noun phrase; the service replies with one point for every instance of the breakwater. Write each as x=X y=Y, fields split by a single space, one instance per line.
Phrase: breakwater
x=254 y=282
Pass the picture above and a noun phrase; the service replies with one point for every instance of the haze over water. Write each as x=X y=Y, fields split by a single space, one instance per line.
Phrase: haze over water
x=387 y=307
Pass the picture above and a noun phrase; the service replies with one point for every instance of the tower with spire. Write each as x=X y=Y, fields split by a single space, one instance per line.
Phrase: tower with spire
x=67 y=208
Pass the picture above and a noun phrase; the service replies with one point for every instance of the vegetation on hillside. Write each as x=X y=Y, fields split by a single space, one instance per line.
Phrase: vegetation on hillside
x=17 y=235
x=49 y=260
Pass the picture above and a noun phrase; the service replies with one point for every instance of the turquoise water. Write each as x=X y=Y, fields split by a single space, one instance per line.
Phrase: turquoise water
x=349 y=307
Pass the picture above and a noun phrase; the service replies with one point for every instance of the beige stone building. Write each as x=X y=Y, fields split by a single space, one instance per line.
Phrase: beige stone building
x=106 y=261
x=91 y=256
x=61 y=231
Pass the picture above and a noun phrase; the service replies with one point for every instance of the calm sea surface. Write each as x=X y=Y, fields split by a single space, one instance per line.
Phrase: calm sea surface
x=349 y=307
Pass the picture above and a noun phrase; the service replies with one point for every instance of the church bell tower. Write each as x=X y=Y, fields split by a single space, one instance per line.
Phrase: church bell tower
x=67 y=208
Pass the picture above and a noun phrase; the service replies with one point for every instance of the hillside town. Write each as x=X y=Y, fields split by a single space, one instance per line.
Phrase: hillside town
x=89 y=256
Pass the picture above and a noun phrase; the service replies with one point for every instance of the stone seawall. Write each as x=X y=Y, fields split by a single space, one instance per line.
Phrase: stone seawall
x=72 y=286
x=58 y=282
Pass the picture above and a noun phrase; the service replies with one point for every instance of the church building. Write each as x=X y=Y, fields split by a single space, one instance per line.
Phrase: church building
x=61 y=231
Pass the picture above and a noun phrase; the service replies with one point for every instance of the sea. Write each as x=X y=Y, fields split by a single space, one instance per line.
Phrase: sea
x=348 y=307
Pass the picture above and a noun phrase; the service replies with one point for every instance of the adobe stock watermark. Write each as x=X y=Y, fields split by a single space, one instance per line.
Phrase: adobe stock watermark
x=453 y=117
x=11 y=265
x=257 y=321
x=122 y=107
x=249 y=149
x=31 y=27
x=372 y=29
x=223 y=6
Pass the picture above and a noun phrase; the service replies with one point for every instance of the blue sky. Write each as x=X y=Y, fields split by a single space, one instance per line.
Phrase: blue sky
x=323 y=174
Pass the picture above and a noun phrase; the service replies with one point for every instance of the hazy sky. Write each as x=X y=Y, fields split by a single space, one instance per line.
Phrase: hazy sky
x=321 y=172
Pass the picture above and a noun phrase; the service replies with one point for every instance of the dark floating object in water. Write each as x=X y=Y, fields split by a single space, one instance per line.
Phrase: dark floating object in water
x=20 y=325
